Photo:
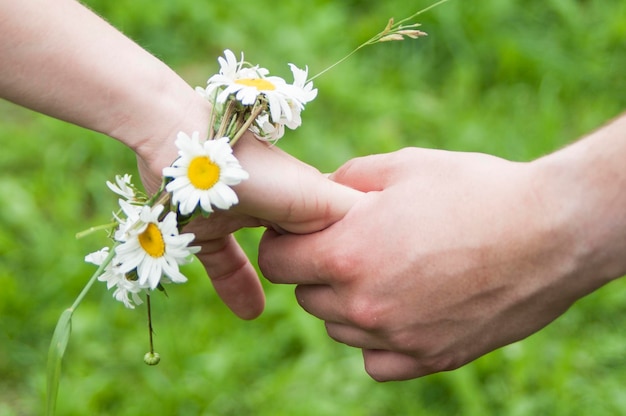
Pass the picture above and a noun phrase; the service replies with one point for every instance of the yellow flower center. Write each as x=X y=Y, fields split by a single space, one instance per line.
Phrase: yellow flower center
x=151 y=240
x=203 y=173
x=258 y=83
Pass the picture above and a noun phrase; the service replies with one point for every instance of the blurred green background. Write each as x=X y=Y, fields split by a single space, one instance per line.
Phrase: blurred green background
x=512 y=78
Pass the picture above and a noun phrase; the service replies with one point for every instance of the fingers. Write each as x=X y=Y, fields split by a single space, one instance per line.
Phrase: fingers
x=388 y=366
x=285 y=191
x=320 y=301
x=293 y=259
x=353 y=336
x=233 y=276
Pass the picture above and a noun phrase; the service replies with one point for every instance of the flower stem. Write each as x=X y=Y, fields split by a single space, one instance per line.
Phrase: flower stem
x=60 y=339
x=164 y=199
x=91 y=281
x=253 y=115
x=150 y=330
x=159 y=197
x=96 y=228
x=226 y=119
x=151 y=357
x=211 y=131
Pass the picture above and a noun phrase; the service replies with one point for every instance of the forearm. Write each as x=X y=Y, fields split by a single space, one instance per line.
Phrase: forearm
x=588 y=183
x=59 y=58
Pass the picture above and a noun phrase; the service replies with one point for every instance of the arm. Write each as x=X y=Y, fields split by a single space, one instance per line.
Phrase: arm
x=452 y=255
x=62 y=60
x=59 y=58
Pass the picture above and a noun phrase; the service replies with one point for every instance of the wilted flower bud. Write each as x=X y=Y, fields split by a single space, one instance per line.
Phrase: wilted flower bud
x=152 y=358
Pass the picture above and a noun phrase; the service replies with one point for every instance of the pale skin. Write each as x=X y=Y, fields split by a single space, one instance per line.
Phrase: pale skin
x=449 y=256
x=60 y=59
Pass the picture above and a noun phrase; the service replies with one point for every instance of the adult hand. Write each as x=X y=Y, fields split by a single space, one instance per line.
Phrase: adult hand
x=445 y=258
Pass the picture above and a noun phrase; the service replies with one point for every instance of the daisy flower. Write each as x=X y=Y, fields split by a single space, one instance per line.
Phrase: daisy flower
x=264 y=129
x=203 y=174
x=248 y=83
x=153 y=248
x=126 y=290
x=302 y=91
x=132 y=213
x=123 y=187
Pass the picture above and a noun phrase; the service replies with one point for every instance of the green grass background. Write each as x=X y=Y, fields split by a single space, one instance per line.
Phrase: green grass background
x=512 y=78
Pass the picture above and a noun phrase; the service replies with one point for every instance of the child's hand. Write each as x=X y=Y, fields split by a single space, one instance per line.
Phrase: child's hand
x=283 y=193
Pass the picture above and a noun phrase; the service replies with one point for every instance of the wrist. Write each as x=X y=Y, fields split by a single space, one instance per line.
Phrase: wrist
x=584 y=186
x=172 y=106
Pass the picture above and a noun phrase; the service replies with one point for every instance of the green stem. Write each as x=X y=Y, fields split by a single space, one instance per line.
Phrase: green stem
x=377 y=37
x=95 y=229
x=150 y=330
x=91 y=281
x=60 y=339
x=159 y=197
x=421 y=11
x=339 y=61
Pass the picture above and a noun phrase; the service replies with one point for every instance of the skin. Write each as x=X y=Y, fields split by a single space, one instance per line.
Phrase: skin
x=60 y=59
x=432 y=259
x=448 y=256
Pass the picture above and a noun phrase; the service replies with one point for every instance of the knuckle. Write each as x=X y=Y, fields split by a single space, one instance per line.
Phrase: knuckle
x=339 y=260
x=404 y=341
x=442 y=362
x=365 y=312
x=342 y=261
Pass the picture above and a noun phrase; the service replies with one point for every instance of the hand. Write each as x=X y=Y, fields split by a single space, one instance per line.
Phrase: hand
x=447 y=257
x=282 y=192
x=95 y=77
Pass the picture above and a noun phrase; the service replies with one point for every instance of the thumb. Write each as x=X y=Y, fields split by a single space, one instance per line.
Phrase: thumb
x=368 y=173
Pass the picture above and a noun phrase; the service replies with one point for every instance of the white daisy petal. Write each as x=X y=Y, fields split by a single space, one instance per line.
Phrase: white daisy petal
x=97 y=257
x=148 y=244
x=202 y=173
x=126 y=291
x=123 y=186
x=244 y=83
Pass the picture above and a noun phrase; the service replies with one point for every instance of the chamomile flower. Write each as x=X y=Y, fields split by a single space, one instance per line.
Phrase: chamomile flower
x=264 y=129
x=154 y=249
x=123 y=187
x=203 y=174
x=126 y=290
x=125 y=224
x=247 y=84
x=302 y=90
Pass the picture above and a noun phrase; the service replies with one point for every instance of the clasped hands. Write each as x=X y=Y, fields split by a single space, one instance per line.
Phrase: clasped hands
x=403 y=255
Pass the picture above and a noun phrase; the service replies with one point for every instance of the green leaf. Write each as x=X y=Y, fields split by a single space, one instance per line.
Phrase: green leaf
x=58 y=345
